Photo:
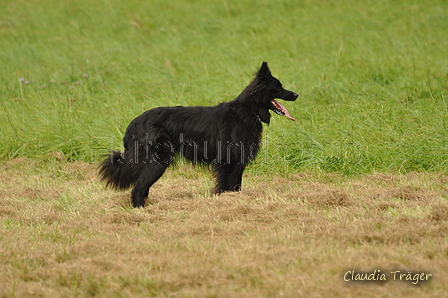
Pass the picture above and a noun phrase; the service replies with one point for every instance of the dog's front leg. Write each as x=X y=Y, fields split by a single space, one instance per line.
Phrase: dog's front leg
x=228 y=177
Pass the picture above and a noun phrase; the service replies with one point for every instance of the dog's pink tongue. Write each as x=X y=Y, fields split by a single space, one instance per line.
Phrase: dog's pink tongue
x=283 y=109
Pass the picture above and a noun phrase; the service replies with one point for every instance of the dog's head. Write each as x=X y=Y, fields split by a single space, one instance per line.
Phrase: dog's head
x=264 y=89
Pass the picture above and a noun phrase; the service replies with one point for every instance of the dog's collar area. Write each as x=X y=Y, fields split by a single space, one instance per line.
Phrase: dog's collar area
x=258 y=117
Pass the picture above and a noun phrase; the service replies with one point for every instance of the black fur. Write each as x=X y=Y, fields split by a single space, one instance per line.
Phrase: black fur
x=226 y=136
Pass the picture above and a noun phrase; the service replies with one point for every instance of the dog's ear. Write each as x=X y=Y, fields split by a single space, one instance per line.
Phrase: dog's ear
x=264 y=70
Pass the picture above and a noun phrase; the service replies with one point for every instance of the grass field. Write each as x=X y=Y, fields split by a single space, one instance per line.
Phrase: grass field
x=63 y=235
x=358 y=182
x=372 y=77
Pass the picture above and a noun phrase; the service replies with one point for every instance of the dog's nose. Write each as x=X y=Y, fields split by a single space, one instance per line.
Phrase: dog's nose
x=295 y=95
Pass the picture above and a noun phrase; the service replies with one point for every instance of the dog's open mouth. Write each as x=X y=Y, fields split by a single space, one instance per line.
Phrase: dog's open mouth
x=281 y=110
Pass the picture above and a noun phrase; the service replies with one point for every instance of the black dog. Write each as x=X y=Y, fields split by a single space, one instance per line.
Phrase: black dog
x=226 y=136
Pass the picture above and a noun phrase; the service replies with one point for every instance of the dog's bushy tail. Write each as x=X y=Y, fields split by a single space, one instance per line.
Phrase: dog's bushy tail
x=116 y=172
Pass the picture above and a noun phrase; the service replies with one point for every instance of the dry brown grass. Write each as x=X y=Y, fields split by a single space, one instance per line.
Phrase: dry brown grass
x=64 y=235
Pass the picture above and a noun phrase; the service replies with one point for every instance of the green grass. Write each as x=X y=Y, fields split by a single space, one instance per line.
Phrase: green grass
x=372 y=76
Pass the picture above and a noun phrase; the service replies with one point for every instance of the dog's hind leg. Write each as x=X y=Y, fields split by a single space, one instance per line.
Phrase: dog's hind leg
x=148 y=176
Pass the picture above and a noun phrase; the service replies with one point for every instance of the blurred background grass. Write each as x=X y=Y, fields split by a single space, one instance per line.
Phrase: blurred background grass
x=372 y=76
